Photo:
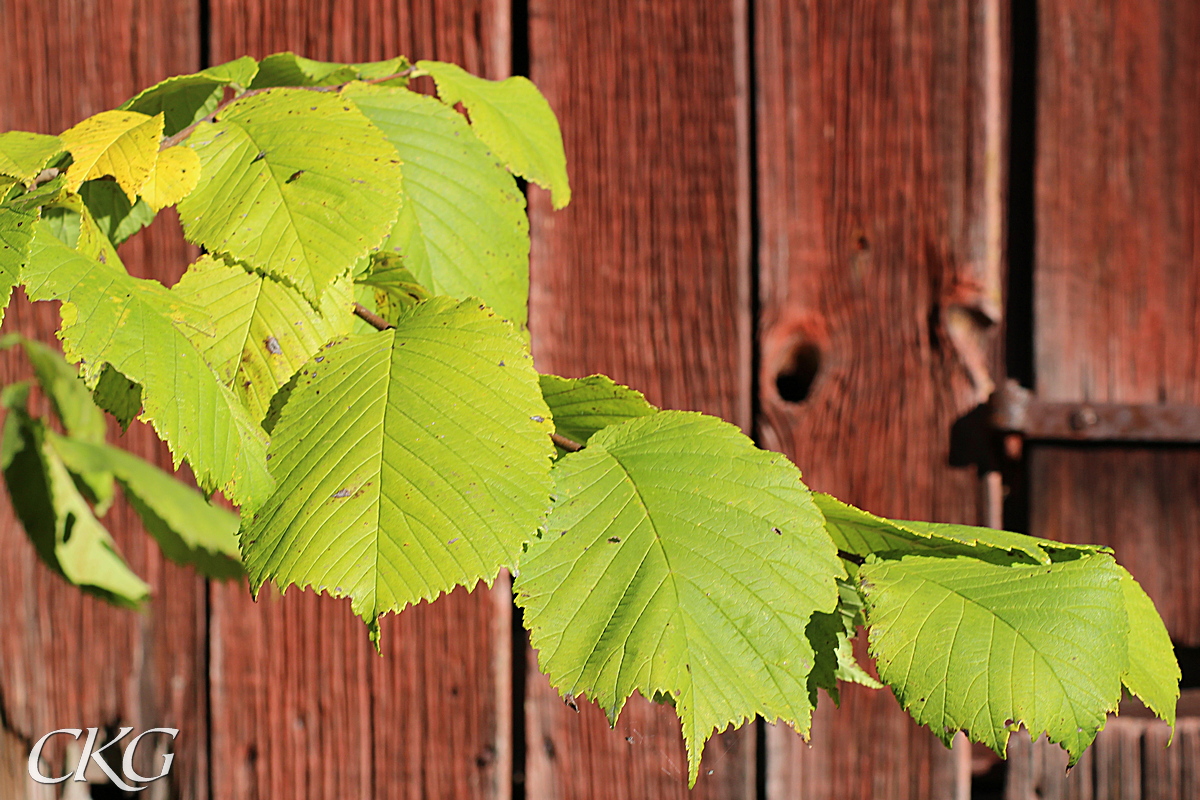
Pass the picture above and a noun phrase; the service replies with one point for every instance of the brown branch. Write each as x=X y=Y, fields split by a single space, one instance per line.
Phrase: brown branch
x=175 y=139
x=853 y=559
x=570 y=445
x=45 y=176
x=365 y=314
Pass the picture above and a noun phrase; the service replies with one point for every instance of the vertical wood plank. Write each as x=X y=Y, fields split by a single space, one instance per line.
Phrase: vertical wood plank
x=1145 y=503
x=476 y=34
x=645 y=277
x=1118 y=279
x=1129 y=761
x=301 y=706
x=67 y=660
x=879 y=169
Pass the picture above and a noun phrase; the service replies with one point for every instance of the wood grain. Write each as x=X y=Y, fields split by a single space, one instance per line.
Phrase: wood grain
x=475 y=34
x=878 y=262
x=301 y=707
x=1129 y=761
x=1118 y=182
x=644 y=277
x=67 y=660
x=1142 y=503
x=1118 y=279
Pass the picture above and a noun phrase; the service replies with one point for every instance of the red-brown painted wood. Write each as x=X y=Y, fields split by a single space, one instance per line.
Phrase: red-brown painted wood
x=301 y=706
x=1130 y=760
x=1118 y=279
x=476 y=34
x=644 y=277
x=67 y=660
x=879 y=145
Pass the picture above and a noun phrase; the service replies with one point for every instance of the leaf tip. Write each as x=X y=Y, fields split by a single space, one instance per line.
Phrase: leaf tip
x=374 y=634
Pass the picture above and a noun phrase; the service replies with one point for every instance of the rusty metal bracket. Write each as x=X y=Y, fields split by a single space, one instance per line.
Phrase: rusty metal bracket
x=1015 y=409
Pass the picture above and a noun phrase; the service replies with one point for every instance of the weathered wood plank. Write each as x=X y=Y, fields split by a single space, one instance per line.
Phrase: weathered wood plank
x=1129 y=761
x=1118 y=175
x=645 y=277
x=301 y=706
x=1143 y=503
x=66 y=659
x=1118 y=279
x=879 y=167
x=476 y=34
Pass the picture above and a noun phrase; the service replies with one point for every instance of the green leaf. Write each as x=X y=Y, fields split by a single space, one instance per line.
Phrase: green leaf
x=69 y=396
x=462 y=230
x=513 y=118
x=289 y=69
x=296 y=183
x=122 y=145
x=680 y=559
x=239 y=72
x=583 y=406
x=116 y=217
x=139 y=327
x=188 y=529
x=392 y=287
x=184 y=99
x=986 y=646
x=51 y=191
x=408 y=461
x=16 y=236
x=72 y=403
x=57 y=518
x=832 y=635
x=117 y=395
x=1153 y=672
x=861 y=533
x=23 y=155
x=263 y=331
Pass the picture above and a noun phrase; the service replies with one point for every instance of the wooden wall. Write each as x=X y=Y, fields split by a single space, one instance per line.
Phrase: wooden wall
x=790 y=213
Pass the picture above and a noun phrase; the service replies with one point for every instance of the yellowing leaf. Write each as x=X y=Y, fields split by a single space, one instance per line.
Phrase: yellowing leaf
x=121 y=144
x=296 y=184
x=175 y=174
x=263 y=331
x=140 y=328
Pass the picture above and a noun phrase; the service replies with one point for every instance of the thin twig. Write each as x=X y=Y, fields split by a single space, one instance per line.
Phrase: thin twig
x=45 y=176
x=365 y=314
x=853 y=559
x=570 y=445
x=175 y=139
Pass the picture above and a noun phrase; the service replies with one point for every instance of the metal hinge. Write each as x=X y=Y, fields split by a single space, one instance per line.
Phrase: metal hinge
x=1015 y=409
